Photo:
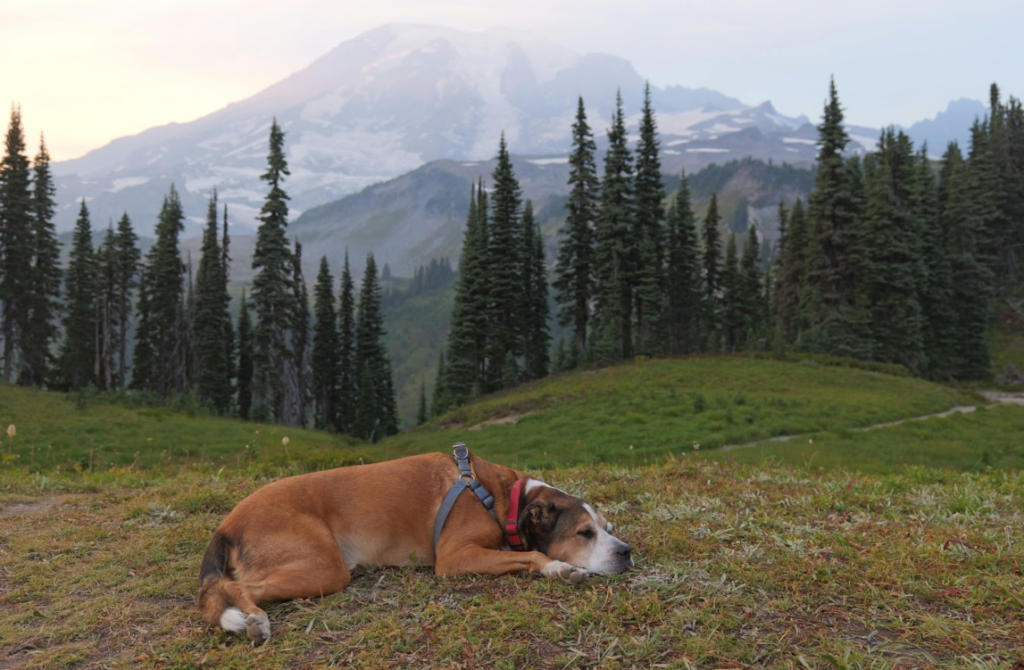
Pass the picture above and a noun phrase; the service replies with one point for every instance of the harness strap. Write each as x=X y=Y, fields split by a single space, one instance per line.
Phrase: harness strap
x=465 y=481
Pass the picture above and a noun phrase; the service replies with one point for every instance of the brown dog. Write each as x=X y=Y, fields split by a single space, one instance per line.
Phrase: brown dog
x=302 y=536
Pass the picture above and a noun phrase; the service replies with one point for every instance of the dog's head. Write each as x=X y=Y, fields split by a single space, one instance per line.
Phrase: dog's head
x=568 y=529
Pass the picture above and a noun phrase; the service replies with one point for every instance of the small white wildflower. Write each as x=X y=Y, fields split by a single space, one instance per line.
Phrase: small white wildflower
x=696 y=446
x=284 y=441
x=11 y=431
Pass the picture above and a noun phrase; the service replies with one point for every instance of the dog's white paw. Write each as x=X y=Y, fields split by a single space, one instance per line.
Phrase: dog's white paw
x=565 y=572
x=258 y=627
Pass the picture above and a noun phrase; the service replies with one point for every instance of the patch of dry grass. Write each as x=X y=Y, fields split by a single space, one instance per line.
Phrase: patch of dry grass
x=737 y=566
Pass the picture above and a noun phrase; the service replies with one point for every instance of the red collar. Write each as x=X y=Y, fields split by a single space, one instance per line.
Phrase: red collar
x=512 y=520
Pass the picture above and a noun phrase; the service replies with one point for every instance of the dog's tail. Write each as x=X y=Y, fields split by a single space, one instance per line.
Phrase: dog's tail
x=214 y=604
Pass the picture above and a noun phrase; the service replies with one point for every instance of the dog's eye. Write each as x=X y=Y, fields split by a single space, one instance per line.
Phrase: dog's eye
x=586 y=533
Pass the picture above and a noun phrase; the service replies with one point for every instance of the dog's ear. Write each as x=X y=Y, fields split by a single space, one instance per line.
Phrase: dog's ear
x=536 y=523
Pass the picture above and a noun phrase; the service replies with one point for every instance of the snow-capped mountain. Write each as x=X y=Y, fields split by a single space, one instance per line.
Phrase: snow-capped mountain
x=395 y=98
x=374 y=107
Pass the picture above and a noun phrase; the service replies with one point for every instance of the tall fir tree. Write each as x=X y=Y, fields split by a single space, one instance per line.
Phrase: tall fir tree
x=421 y=412
x=128 y=258
x=46 y=279
x=104 y=301
x=971 y=293
x=789 y=277
x=79 y=350
x=934 y=283
x=272 y=293
x=506 y=261
x=891 y=243
x=614 y=274
x=684 y=293
x=346 y=408
x=469 y=333
x=245 y=363
x=300 y=384
x=441 y=398
x=325 y=349
x=535 y=311
x=376 y=412
x=752 y=297
x=731 y=301
x=648 y=230
x=16 y=248
x=213 y=383
x=837 y=317
x=712 y=269
x=229 y=328
x=574 y=271
x=161 y=356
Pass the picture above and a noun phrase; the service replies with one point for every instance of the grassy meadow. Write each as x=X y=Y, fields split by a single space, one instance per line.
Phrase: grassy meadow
x=898 y=547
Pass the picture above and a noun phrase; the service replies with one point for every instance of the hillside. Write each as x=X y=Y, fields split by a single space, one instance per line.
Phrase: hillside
x=648 y=411
x=421 y=215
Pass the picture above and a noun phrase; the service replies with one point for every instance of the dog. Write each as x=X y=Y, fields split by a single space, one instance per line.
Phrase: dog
x=303 y=536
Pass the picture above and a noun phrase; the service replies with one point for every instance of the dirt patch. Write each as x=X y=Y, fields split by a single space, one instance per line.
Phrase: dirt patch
x=508 y=418
x=26 y=508
x=1004 y=398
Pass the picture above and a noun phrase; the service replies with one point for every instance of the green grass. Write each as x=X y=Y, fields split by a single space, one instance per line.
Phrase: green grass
x=987 y=439
x=57 y=430
x=737 y=566
x=642 y=412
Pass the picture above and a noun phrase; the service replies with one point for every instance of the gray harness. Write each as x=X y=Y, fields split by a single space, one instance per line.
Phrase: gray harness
x=465 y=481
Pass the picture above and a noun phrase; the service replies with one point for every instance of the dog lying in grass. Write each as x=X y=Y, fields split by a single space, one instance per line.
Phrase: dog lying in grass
x=303 y=536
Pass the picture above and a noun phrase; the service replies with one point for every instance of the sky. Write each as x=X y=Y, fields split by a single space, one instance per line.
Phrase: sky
x=86 y=72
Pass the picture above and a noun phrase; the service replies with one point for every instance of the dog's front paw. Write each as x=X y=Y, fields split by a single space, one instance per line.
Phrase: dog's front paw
x=565 y=572
x=258 y=627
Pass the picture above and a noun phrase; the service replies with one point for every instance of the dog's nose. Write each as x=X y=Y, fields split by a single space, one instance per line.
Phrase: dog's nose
x=625 y=551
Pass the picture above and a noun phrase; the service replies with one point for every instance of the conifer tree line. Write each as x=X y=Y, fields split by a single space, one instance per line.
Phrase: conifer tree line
x=893 y=258
x=72 y=328
x=899 y=260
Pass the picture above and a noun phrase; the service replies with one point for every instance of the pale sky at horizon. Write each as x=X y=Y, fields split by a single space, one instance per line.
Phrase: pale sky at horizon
x=89 y=71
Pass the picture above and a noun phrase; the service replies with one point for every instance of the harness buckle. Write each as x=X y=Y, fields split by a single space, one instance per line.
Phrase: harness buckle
x=460 y=450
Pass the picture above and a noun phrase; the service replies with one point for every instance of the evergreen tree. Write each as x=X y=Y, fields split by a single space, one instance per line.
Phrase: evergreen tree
x=752 y=302
x=648 y=232
x=346 y=405
x=733 y=327
x=789 y=278
x=506 y=262
x=441 y=401
x=376 y=413
x=971 y=292
x=536 y=336
x=615 y=250
x=78 y=352
x=300 y=385
x=325 y=349
x=128 y=258
x=891 y=243
x=421 y=412
x=683 y=278
x=162 y=362
x=16 y=248
x=574 y=269
x=213 y=382
x=935 y=283
x=837 y=318
x=229 y=330
x=45 y=284
x=712 y=267
x=245 y=364
x=272 y=289
x=468 y=334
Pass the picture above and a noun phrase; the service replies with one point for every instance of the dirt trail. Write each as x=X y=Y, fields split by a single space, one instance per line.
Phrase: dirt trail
x=995 y=398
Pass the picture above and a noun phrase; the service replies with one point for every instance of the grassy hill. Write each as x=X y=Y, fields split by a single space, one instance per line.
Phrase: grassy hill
x=646 y=411
x=893 y=548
